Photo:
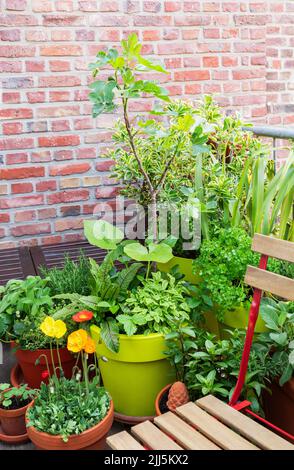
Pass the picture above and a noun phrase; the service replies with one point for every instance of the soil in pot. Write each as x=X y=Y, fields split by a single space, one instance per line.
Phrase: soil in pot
x=162 y=402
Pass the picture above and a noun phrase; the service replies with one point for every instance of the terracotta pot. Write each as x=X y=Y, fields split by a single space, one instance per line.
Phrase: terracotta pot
x=159 y=397
x=279 y=406
x=92 y=439
x=13 y=421
x=32 y=374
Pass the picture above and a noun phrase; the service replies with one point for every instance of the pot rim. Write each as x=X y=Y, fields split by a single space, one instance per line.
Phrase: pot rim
x=125 y=337
x=158 y=397
x=46 y=435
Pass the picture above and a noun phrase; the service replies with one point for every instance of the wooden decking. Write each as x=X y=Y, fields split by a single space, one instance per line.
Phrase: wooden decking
x=208 y=424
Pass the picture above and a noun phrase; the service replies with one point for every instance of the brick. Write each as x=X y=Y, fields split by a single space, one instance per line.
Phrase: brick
x=42 y=6
x=59 y=65
x=61 y=50
x=47 y=213
x=72 y=224
x=107 y=192
x=37 y=35
x=85 y=35
x=10 y=35
x=61 y=35
x=31 y=229
x=88 y=5
x=86 y=153
x=68 y=196
x=192 y=20
x=14 y=158
x=21 y=173
x=192 y=6
x=10 y=203
x=12 y=128
x=18 y=82
x=49 y=185
x=210 y=61
x=18 y=20
x=158 y=20
x=11 y=98
x=6 y=66
x=70 y=183
x=3 y=189
x=151 y=35
x=36 y=97
x=17 y=143
x=59 y=126
x=59 y=81
x=69 y=211
x=60 y=111
x=64 y=20
x=61 y=155
x=35 y=66
x=92 y=181
x=19 y=188
x=16 y=4
x=59 y=141
x=172 y=6
x=24 y=216
x=74 y=168
x=63 y=95
x=4 y=218
x=191 y=75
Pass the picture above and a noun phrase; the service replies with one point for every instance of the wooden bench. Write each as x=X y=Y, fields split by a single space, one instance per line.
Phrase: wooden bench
x=208 y=424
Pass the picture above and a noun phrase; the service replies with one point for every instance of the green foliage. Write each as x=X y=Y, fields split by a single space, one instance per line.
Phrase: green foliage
x=23 y=305
x=156 y=306
x=15 y=397
x=103 y=234
x=72 y=277
x=210 y=366
x=68 y=409
x=222 y=264
x=159 y=253
x=279 y=319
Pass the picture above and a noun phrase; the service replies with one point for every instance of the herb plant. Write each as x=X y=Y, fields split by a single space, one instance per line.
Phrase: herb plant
x=279 y=319
x=15 y=397
x=208 y=365
x=72 y=277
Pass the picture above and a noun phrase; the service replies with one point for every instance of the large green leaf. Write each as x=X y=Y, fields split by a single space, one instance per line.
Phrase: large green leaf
x=109 y=335
x=159 y=253
x=103 y=234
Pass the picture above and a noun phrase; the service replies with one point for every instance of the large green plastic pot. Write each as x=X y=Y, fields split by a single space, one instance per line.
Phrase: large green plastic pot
x=185 y=267
x=135 y=374
x=238 y=318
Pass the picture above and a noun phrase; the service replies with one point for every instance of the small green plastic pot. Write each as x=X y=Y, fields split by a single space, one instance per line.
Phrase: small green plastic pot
x=238 y=318
x=185 y=267
x=135 y=374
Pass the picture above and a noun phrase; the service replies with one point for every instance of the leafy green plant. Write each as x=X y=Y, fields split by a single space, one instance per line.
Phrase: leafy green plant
x=279 y=319
x=68 y=410
x=22 y=305
x=148 y=171
x=72 y=277
x=208 y=365
x=156 y=306
x=15 y=397
x=103 y=234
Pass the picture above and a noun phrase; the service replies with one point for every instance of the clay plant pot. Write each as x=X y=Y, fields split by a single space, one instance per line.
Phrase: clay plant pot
x=91 y=439
x=13 y=421
x=279 y=406
x=32 y=373
x=161 y=399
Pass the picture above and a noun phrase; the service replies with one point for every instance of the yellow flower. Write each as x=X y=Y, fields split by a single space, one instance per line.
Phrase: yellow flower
x=47 y=327
x=77 y=340
x=53 y=328
x=90 y=346
x=60 y=329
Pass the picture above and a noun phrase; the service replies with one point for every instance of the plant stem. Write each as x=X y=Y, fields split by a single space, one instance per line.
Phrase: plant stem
x=85 y=369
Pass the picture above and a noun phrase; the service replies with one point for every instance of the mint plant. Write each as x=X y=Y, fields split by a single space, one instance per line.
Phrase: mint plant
x=15 y=397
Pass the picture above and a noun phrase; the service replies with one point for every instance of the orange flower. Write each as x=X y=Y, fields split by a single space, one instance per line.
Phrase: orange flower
x=90 y=346
x=77 y=340
x=83 y=315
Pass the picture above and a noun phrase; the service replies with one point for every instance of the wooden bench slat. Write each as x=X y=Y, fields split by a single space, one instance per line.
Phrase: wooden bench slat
x=123 y=441
x=184 y=434
x=153 y=438
x=253 y=431
x=270 y=282
x=214 y=429
x=273 y=247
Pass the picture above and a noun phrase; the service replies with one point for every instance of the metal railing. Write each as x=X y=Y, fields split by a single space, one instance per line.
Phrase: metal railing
x=275 y=133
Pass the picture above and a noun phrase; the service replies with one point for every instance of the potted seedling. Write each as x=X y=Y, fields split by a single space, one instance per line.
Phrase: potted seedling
x=14 y=402
x=76 y=413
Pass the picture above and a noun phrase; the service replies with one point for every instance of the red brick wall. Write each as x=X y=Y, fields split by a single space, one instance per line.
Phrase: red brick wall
x=51 y=172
